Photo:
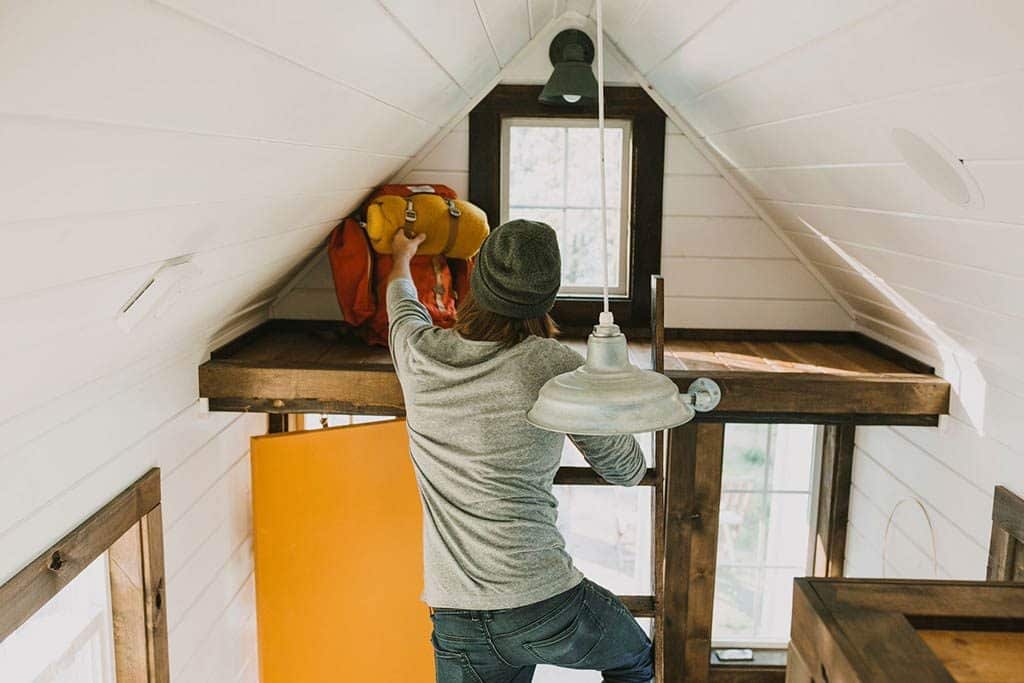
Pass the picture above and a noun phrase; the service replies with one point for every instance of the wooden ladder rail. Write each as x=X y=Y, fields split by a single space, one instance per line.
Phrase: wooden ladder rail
x=658 y=508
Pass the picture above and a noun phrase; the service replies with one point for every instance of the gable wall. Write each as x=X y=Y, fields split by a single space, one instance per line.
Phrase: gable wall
x=723 y=267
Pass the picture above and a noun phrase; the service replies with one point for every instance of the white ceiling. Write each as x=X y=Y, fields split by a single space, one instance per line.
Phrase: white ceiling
x=236 y=133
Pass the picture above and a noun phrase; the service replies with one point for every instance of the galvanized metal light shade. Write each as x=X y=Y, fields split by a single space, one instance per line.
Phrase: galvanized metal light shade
x=572 y=82
x=609 y=395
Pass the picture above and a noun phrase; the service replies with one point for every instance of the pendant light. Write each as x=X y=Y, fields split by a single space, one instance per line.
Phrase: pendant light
x=572 y=82
x=608 y=394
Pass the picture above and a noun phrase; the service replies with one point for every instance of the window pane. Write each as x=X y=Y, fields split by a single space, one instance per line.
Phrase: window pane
x=793 y=472
x=788 y=529
x=607 y=531
x=536 y=174
x=765 y=523
x=744 y=457
x=741 y=528
x=736 y=603
x=777 y=601
x=583 y=177
x=582 y=241
x=70 y=639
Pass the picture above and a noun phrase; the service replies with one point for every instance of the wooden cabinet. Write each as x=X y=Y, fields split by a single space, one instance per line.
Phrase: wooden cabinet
x=882 y=631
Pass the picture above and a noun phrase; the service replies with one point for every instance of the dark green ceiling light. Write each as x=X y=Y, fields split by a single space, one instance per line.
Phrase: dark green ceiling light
x=572 y=82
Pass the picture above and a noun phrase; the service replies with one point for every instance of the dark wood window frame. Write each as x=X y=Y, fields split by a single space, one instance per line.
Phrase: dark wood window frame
x=130 y=527
x=646 y=186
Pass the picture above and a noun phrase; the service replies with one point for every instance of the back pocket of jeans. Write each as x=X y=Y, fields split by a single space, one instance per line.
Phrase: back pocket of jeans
x=454 y=667
x=571 y=647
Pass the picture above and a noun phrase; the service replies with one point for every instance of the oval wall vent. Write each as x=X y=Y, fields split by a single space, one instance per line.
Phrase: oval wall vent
x=939 y=168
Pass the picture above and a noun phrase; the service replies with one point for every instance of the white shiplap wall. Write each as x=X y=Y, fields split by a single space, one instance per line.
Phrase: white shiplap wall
x=231 y=134
x=723 y=266
x=799 y=98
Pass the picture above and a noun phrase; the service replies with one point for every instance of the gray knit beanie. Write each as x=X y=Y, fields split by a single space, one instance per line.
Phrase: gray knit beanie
x=518 y=271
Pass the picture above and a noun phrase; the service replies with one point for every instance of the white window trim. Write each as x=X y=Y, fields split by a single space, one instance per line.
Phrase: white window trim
x=622 y=290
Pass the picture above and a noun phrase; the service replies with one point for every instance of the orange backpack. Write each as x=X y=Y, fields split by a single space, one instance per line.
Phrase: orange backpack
x=360 y=276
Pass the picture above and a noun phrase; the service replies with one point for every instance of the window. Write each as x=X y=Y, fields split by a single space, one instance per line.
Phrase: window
x=92 y=607
x=766 y=522
x=607 y=531
x=550 y=174
x=71 y=638
x=530 y=160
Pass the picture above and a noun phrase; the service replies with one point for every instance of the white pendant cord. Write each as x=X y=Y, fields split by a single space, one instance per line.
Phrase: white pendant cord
x=600 y=128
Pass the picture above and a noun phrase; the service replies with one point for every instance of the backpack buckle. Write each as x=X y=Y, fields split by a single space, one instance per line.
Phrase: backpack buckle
x=410 y=212
x=453 y=210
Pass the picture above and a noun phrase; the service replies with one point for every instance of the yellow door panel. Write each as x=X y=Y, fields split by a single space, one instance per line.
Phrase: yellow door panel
x=338 y=544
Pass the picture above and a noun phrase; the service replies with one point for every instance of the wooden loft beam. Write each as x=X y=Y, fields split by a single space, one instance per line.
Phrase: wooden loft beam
x=826 y=378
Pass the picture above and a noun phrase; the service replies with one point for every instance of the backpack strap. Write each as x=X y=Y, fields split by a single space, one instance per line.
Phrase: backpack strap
x=410 y=217
x=453 y=225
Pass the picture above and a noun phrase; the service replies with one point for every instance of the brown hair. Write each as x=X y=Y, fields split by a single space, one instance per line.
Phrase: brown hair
x=479 y=324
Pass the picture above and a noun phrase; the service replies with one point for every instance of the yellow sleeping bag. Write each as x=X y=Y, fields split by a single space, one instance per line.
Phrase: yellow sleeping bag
x=454 y=228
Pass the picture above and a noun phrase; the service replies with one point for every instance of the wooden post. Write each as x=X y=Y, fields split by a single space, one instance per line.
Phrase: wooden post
x=834 y=500
x=154 y=584
x=658 y=323
x=658 y=507
x=693 y=491
x=128 y=606
x=277 y=423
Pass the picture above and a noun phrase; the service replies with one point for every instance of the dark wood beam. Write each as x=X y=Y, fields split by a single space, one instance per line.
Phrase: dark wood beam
x=811 y=393
x=640 y=606
x=314 y=368
x=834 y=500
x=747 y=674
x=584 y=476
x=693 y=491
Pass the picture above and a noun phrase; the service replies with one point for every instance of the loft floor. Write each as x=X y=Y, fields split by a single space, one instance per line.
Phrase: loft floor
x=287 y=366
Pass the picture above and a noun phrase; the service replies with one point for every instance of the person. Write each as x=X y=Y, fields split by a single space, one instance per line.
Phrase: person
x=504 y=593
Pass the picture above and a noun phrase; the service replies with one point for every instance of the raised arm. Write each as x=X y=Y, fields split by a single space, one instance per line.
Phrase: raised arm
x=405 y=312
x=618 y=459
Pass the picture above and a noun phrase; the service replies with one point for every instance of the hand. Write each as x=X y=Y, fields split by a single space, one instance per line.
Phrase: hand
x=404 y=248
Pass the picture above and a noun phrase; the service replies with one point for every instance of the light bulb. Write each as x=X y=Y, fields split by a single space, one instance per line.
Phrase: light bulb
x=572 y=99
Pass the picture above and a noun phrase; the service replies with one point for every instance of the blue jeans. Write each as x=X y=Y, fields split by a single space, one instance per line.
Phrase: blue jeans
x=585 y=627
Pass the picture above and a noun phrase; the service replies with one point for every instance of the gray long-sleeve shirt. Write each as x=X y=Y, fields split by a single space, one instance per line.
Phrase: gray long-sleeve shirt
x=485 y=475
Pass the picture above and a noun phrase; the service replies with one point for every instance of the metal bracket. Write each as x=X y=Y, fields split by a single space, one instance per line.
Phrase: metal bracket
x=704 y=394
